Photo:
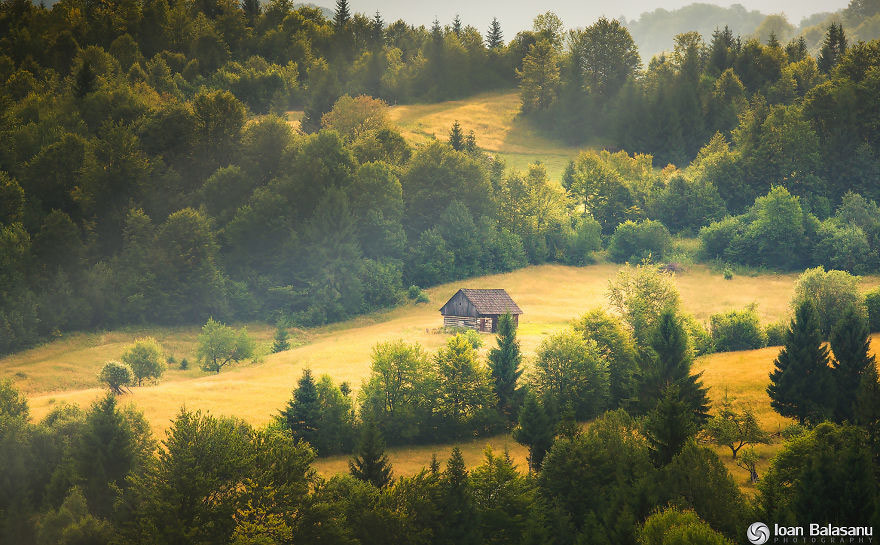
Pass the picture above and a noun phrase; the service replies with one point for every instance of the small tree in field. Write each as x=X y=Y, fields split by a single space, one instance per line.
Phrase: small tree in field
x=282 y=340
x=735 y=429
x=144 y=358
x=220 y=345
x=116 y=376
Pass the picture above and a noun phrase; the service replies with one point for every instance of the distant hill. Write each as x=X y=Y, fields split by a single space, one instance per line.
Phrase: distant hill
x=654 y=31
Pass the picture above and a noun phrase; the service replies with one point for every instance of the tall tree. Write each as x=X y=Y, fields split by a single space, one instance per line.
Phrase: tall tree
x=605 y=55
x=504 y=365
x=342 y=15
x=370 y=463
x=535 y=430
x=494 y=38
x=459 y=513
x=833 y=48
x=851 y=345
x=539 y=77
x=801 y=379
x=669 y=426
x=456 y=25
x=303 y=412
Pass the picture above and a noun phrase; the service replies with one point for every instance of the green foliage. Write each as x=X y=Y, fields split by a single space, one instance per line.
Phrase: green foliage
x=144 y=358
x=281 y=340
x=633 y=242
x=872 y=302
x=853 y=362
x=669 y=426
x=776 y=333
x=303 y=411
x=801 y=382
x=504 y=366
x=116 y=376
x=616 y=345
x=220 y=345
x=570 y=373
x=737 y=330
x=370 y=464
x=641 y=294
x=73 y=523
x=832 y=293
x=462 y=388
x=534 y=430
x=735 y=429
x=673 y=526
x=688 y=205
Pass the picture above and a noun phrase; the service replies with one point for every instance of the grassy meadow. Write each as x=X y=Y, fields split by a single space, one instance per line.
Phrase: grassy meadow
x=550 y=296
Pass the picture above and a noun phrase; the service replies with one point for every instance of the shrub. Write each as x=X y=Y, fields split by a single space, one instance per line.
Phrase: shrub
x=633 y=241
x=728 y=273
x=184 y=364
x=584 y=239
x=775 y=333
x=737 y=330
x=700 y=338
x=417 y=294
x=116 y=376
x=872 y=302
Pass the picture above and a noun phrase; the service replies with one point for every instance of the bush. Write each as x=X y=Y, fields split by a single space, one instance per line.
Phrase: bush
x=728 y=273
x=700 y=338
x=872 y=302
x=184 y=364
x=584 y=239
x=116 y=376
x=633 y=241
x=737 y=330
x=775 y=333
x=417 y=294
x=686 y=204
x=842 y=247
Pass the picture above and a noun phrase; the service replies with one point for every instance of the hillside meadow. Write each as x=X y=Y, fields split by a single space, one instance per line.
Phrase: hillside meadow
x=550 y=295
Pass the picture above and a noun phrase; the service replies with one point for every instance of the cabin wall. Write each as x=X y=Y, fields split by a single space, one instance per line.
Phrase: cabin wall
x=459 y=305
x=460 y=321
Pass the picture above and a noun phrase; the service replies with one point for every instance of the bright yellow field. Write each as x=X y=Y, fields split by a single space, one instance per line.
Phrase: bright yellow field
x=550 y=296
x=494 y=119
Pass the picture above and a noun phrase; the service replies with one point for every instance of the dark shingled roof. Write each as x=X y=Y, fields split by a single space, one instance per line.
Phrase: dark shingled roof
x=491 y=301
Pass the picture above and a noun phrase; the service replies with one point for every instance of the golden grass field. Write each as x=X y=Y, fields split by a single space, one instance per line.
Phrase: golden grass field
x=550 y=295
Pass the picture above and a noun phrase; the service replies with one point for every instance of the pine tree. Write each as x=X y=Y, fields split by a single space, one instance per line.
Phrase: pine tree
x=851 y=345
x=456 y=137
x=282 y=341
x=459 y=513
x=669 y=426
x=534 y=431
x=833 y=48
x=669 y=363
x=456 y=25
x=800 y=382
x=370 y=464
x=342 y=16
x=494 y=38
x=303 y=412
x=504 y=364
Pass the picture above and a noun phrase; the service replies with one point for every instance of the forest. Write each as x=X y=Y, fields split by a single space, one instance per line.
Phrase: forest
x=150 y=173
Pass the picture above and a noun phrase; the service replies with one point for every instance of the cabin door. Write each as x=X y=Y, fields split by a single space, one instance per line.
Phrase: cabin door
x=485 y=324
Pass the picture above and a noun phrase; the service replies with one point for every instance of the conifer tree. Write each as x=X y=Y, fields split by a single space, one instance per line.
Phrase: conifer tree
x=800 y=382
x=377 y=31
x=504 y=364
x=84 y=83
x=371 y=464
x=669 y=363
x=459 y=513
x=342 y=15
x=851 y=345
x=470 y=142
x=833 y=48
x=534 y=431
x=456 y=25
x=796 y=50
x=867 y=408
x=251 y=9
x=456 y=136
x=669 y=426
x=282 y=340
x=303 y=411
x=494 y=38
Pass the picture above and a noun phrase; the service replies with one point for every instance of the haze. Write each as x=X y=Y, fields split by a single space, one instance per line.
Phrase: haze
x=516 y=16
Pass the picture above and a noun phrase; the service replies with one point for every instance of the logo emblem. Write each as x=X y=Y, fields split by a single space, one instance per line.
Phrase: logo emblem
x=758 y=533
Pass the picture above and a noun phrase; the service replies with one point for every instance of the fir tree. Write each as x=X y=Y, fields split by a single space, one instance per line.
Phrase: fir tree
x=342 y=16
x=377 y=31
x=370 y=464
x=800 y=381
x=851 y=345
x=303 y=411
x=459 y=513
x=796 y=50
x=773 y=41
x=436 y=31
x=456 y=25
x=669 y=426
x=282 y=341
x=504 y=364
x=470 y=142
x=669 y=363
x=456 y=137
x=534 y=431
x=833 y=48
x=494 y=38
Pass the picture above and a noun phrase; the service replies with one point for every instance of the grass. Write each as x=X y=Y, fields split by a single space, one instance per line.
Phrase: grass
x=550 y=295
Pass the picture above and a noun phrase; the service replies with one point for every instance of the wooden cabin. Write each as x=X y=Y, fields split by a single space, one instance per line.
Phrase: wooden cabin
x=479 y=309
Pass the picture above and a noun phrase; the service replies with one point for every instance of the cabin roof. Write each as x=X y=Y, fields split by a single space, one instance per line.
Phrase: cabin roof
x=488 y=301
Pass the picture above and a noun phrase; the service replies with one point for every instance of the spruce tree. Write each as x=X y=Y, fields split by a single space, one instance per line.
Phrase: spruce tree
x=370 y=464
x=456 y=136
x=504 y=364
x=800 y=382
x=851 y=345
x=342 y=16
x=534 y=431
x=282 y=340
x=669 y=426
x=669 y=363
x=303 y=411
x=470 y=142
x=833 y=48
x=494 y=38
x=459 y=513
x=377 y=31
x=456 y=25
x=796 y=50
